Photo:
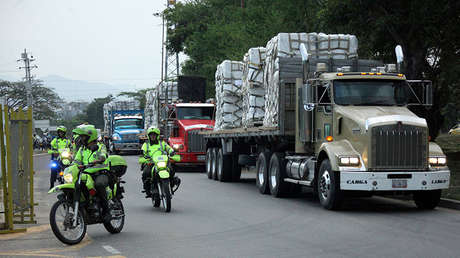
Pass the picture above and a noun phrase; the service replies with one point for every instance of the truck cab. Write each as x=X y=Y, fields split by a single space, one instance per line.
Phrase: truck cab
x=363 y=138
x=188 y=120
x=126 y=130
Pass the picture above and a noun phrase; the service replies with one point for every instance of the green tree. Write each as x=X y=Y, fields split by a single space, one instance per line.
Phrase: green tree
x=94 y=113
x=45 y=101
x=428 y=32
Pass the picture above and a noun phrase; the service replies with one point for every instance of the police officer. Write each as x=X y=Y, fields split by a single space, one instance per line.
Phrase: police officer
x=58 y=144
x=93 y=155
x=151 y=148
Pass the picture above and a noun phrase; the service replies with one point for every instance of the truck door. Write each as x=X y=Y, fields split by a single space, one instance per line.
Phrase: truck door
x=323 y=117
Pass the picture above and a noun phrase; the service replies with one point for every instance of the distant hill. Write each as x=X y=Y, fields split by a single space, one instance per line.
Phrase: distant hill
x=75 y=90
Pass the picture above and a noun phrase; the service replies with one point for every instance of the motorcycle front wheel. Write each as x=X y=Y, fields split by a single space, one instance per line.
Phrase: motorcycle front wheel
x=166 y=194
x=61 y=221
x=116 y=224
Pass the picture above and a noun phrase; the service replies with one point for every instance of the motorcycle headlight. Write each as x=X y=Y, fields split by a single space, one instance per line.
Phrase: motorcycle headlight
x=161 y=164
x=65 y=154
x=68 y=178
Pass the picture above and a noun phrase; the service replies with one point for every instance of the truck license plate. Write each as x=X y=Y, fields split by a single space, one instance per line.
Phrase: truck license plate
x=200 y=157
x=399 y=183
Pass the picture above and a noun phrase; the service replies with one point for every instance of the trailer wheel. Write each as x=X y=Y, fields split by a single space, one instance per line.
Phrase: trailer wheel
x=427 y=200
x=262 y=164
x=224 y=169
x=209 y=163
x=236 y=169
x=329 y=193
x=276 y=175
x=214 y=163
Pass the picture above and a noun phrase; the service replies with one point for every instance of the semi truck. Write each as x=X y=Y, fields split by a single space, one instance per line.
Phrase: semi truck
x=123 y=123
x=342 y=128
x=182 y=117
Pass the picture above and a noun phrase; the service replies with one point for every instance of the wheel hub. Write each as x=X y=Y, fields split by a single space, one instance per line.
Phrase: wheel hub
x=325 y=184
x=260 y=174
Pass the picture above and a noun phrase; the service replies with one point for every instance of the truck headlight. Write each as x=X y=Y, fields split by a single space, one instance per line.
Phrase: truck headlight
x=348 y=161
x=116 y=138
x=68 y=178
x=437 y=161
x=177 y=146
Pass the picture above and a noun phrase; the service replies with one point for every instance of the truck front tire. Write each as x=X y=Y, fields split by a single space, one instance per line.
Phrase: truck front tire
x=262 y=164
x=277 y=174
x=329 y=193
x=427 y=200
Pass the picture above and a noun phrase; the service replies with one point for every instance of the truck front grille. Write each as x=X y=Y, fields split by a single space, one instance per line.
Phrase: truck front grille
x=399 y=147
x=196 y=142
x=129 y=137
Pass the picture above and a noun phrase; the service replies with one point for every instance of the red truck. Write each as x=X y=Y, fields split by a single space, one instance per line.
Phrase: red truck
x=190 y=119
x=182 y=118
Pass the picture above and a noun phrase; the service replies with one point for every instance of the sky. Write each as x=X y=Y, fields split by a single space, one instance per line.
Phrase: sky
x=116 y=42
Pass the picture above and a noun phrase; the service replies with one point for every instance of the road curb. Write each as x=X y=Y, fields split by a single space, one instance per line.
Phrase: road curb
x=449 y=203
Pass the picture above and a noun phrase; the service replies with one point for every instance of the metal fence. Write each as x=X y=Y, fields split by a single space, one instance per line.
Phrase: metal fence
x=16 y=147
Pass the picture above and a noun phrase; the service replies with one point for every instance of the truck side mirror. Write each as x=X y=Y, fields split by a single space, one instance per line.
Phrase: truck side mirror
x=421 y=92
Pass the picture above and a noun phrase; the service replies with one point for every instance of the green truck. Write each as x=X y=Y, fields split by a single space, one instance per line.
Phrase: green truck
x=343 y=129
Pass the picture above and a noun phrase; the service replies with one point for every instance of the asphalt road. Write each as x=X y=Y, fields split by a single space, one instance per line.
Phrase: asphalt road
x=213 y=219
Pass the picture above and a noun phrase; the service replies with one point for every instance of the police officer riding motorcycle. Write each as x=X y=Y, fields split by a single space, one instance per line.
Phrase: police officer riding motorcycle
x=92 y=154
x=152 y=148
x=58 y=146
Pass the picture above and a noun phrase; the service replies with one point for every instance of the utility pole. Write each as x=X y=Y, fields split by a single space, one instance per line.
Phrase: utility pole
x=27 y=60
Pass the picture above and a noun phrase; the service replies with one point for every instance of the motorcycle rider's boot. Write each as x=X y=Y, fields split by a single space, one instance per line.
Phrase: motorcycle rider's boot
x=147 y=191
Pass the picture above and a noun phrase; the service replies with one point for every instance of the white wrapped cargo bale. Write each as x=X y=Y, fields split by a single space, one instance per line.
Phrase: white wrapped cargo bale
x=253 y=88
x=228 y=95
x=172 y=91
x=151 y=108
x=319 y=45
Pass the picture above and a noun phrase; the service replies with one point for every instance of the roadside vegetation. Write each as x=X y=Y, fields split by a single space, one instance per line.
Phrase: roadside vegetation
x=210 y=31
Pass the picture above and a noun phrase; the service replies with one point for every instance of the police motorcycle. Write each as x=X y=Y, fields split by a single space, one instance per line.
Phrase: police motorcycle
x=165 y=185
x=63 y=160
x=78 y=205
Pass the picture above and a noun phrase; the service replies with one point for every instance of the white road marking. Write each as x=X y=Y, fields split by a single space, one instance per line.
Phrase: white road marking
x=111 y=250
x=40 y=154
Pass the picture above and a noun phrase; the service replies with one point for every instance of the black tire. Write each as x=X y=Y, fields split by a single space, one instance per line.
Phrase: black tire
x=329 y=193
x=209 y=163
x=55 y=227
x=155 y=202
x=224 y=168
x=236 y=169
x=276 y=175
x=262 y=164
x=214 y=163
x=111 y=226
x=165 y=185
x=427 y=200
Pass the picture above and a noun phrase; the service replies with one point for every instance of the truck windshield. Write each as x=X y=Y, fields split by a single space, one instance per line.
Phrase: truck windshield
x=195 y=113
x=128 y=123
x=371 y=92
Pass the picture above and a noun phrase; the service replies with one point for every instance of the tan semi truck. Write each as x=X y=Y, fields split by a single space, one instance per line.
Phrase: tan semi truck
x=343 y=129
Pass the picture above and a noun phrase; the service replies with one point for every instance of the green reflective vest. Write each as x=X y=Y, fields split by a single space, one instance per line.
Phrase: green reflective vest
x=59 y=144
x=151 y=151
x=85 y=156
